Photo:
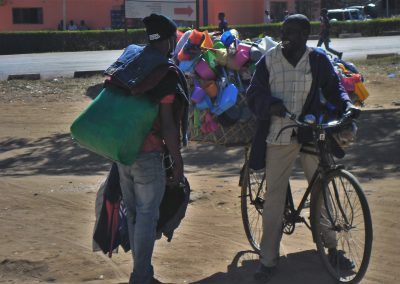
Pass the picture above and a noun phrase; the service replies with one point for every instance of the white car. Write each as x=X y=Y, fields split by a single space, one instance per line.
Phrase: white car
x=345 y=15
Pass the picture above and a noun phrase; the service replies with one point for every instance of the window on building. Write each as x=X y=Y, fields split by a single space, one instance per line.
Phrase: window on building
x=305 y=7
x=277 y=10
x=27 y=15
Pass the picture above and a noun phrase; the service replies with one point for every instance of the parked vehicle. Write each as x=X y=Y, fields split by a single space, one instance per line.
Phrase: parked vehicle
x=345 y=15
x=368 y=11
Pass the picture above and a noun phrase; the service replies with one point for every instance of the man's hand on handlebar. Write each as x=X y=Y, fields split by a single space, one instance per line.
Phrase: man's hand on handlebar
x=353 y=110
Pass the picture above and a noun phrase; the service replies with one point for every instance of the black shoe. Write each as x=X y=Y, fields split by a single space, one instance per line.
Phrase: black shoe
x=264 y=273
x=155 y=281
x=338 y=259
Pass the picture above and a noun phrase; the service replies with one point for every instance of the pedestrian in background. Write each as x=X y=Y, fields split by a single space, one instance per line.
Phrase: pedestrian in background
x=83 y=26
x=324 y=33
x=72 y=26
x=223 y=24
x=267 y=17
x=285 y=15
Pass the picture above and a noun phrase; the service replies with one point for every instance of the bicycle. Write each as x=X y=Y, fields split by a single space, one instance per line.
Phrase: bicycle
x=338 y=206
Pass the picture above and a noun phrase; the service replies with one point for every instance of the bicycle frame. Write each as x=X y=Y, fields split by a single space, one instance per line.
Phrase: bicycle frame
x=325 y=166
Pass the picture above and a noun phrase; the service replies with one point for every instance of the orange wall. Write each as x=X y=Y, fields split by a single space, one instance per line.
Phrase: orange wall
x=236 y=11
x=96 y=13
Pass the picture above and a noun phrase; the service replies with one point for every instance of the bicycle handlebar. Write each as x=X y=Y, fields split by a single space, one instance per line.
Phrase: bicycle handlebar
x=332 y=124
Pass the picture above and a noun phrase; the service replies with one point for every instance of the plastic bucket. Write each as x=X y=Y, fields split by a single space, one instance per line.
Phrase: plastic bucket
x=187 y=65
x=227 y=38
x=184 y=38
x=198 y=94
x=210 y=58
x=226 y=99
x=221 y=56
x=350 y=82
x=218 y=44
x=204 y=104
x=361 y=91
x=255 y=54
x=207 y=40
x=204 y=71
x=241 y=58
x=211 y=88
x=245 y=48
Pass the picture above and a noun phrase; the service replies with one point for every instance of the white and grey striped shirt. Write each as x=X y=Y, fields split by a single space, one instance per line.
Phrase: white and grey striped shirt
x=290 y=84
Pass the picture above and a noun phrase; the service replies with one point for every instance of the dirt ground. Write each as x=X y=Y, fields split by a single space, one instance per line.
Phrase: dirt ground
x=48 y=187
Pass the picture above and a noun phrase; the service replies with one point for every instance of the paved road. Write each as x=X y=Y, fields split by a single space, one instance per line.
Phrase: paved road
x=50 y=65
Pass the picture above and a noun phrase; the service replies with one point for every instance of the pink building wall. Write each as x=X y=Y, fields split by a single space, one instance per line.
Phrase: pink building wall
x=96 y=13
x=238 y=12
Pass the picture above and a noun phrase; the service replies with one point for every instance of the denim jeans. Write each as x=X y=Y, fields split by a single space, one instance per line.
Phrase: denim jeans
x=143 y=186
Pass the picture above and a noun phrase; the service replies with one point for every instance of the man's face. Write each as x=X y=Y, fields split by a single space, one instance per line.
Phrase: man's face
x=293 y=37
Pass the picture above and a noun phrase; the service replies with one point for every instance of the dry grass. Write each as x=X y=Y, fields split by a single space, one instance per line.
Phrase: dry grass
x=384 y=90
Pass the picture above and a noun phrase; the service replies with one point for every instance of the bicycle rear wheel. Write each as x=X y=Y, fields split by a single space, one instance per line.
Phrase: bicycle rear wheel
x=252 y=200
x=342 y=218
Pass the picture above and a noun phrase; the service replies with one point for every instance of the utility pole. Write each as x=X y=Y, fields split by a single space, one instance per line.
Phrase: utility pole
x=387 y=8
x=64 y=14
x=197 y=14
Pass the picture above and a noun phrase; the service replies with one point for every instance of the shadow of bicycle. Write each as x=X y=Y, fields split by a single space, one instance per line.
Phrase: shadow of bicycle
x=302 y=268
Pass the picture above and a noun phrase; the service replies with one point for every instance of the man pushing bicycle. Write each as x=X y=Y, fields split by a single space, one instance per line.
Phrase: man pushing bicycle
x=290 y=77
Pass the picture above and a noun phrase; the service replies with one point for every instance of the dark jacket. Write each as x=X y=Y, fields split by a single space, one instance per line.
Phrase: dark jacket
x=111 y=228
x=259 y=99
x=135 y=64
x=139 y=69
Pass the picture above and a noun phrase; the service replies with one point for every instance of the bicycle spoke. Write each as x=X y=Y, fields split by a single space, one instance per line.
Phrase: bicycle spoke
x=343 y=209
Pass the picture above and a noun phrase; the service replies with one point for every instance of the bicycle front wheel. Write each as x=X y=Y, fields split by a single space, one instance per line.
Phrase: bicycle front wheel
x=252 y=201
x=342 y=227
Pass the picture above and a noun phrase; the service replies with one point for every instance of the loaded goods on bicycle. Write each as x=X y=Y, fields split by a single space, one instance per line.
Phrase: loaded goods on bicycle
x=219 y=70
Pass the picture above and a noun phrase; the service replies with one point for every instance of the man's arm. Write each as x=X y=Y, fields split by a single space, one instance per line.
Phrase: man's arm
x=170 y=134
x=331 y=86
x=258 y=93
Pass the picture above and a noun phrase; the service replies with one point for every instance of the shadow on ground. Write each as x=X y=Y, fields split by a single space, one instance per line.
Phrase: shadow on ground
x=376 y=153
x=53 y=155
x=295 y=268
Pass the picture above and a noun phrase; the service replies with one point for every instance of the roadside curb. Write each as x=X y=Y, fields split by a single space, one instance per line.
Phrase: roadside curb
x=84 y=74
x=350 y=35
x=34 y=76
x=381 y=55
x=390 y=33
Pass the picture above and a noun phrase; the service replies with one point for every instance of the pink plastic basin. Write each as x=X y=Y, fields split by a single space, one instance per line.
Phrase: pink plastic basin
x=204 y=71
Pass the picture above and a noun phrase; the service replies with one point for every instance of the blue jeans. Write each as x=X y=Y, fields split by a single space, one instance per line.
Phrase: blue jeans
x=143 y=186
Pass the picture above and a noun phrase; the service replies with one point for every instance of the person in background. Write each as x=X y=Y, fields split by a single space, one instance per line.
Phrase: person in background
x=290 y=77
x=60 y=26
x=223 y=24
x=83 y=26
x=324 y=33
x=267 y=17
x=285 y=15
x=143 y=183
x=72 y=26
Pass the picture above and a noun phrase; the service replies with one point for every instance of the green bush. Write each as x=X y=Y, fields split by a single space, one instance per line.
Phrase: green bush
x=53 y=41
